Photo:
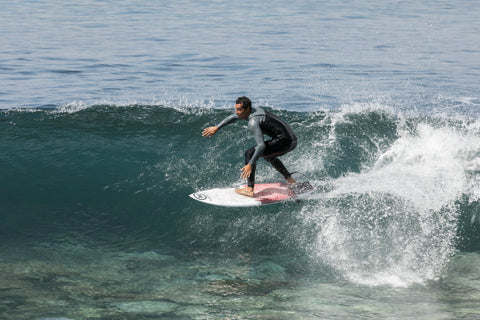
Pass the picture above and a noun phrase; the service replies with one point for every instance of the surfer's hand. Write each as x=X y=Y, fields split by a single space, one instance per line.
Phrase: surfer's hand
x=246 y=171
x=210 y=131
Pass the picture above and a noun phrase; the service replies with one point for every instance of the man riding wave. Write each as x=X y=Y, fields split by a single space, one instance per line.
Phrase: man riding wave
x=260 y=122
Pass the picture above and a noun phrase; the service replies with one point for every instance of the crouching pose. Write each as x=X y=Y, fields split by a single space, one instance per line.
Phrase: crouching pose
x=260 y=122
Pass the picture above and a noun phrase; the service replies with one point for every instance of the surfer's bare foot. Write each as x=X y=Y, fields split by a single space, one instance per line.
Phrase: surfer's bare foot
x=291 y=181
x=245 y=191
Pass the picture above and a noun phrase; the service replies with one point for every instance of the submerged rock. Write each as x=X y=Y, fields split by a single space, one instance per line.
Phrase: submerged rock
x=156 y=307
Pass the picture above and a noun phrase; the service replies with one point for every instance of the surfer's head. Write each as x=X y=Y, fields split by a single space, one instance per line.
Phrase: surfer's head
x=243 y=106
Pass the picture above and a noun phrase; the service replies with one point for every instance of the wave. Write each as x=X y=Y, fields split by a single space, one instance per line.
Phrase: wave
x=400 y=194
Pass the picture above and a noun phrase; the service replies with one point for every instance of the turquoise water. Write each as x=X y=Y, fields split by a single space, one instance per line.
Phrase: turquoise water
x=101 y=111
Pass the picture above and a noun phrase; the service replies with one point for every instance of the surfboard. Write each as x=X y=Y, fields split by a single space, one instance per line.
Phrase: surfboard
x=265 y=193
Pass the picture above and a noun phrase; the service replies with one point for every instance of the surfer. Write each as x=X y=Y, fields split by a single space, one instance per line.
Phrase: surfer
x=260 y=122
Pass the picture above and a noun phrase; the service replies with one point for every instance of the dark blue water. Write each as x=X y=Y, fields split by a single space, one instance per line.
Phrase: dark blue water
x=102 y=108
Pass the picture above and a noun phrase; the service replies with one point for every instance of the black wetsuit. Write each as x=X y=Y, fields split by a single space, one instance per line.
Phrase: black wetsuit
x=282 y=140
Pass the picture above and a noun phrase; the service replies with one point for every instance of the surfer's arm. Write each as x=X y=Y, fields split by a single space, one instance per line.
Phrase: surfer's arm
x=210 y=131
x=230 y=119
x=254 y=126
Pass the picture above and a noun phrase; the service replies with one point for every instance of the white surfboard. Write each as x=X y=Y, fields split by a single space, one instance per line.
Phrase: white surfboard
x=265 y=193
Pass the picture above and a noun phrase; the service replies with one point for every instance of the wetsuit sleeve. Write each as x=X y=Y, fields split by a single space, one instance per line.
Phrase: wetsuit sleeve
x=254 y=126
x=230 y=119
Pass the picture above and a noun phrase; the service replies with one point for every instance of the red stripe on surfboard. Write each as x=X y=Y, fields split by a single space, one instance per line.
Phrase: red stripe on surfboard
x=272 y=192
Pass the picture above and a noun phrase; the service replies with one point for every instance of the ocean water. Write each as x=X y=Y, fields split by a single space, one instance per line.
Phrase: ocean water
x=102 y=105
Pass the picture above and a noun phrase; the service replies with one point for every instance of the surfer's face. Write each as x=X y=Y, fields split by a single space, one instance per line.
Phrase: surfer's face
x=241 y=112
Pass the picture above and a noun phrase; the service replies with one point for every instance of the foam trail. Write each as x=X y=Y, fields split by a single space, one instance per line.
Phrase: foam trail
x=396 y=222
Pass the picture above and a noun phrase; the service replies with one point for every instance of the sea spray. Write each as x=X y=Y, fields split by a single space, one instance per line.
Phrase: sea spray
x=396 y=222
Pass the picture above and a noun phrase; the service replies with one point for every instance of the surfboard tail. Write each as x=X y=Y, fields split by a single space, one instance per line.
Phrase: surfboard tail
x=301 y=188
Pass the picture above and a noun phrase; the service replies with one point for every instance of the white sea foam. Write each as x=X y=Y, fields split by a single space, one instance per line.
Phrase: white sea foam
x=395 y=223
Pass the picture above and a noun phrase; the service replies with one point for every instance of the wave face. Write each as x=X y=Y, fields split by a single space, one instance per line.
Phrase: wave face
x=398 y=194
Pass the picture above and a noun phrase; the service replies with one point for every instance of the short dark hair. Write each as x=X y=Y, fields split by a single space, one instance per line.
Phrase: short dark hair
x=245 y=102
